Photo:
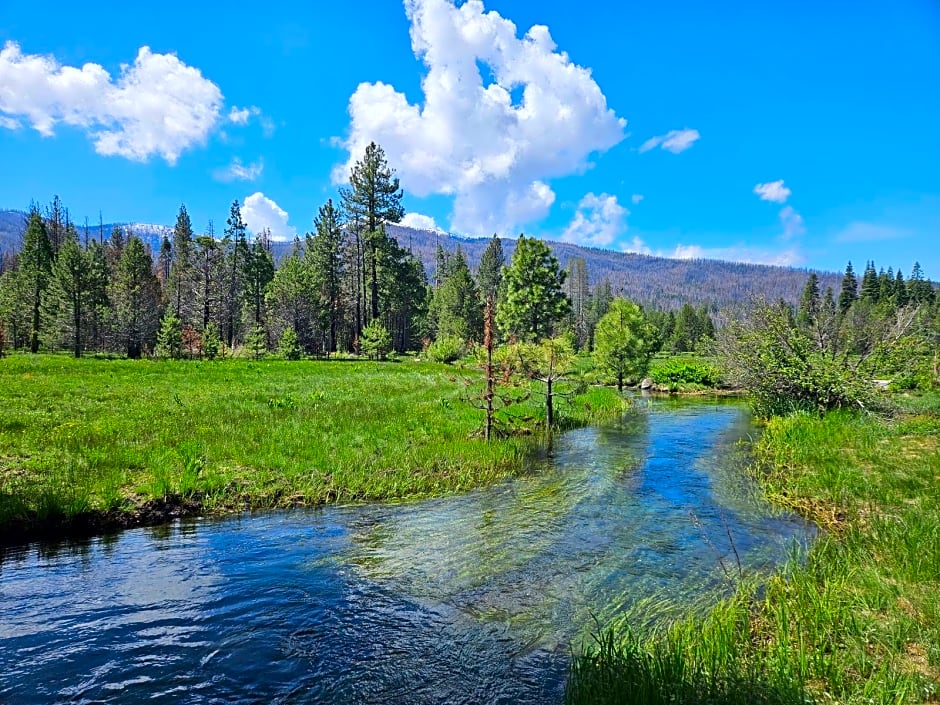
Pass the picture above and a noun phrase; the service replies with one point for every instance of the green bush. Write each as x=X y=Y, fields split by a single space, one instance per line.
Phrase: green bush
x=447 y=349
x=681 y=370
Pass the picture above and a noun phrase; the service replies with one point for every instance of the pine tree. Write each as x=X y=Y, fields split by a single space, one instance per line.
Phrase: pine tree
x=325 y=250
x=849 y=293
x=490 y=271
x=376 y=341
x=288 y=346
x=292 y=300
x=236 y=245
x=870 y=288
x=71 y=290
x=36 y=271
x=373 y=198
x=170 y=337
x=181 y=281
x=258 y=273
x=135 y=293
x=455 y=307
x=808 y=310
x=624 y=341
x=534 y=299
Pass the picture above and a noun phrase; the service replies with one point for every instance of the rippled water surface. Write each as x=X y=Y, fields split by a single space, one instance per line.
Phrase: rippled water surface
x=468 y=599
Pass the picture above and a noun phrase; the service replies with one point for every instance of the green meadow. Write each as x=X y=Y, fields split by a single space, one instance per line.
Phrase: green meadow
x=99 y=435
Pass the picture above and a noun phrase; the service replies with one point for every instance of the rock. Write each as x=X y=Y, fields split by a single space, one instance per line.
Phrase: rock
x=646 y=384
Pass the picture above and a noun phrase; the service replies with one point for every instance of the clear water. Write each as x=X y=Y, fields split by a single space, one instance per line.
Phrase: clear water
x=470 y=599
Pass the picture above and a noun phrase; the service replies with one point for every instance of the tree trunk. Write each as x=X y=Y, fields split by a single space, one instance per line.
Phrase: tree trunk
x=620 y=381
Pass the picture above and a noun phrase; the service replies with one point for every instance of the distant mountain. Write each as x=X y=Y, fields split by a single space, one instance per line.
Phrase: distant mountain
x=663 y=282
x=666 y=283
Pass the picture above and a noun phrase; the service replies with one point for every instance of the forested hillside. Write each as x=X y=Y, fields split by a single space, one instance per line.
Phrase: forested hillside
x=654 y=281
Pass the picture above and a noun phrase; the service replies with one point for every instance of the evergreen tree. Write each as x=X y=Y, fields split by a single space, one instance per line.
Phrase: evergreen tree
x=170 y=337
x=135 y=293
x=71 y=290
x=36 y=271
x=404 y=295
x=164 y=262
x=490 y=271
x=258 y=273
x=808 y=309
x=849 y=293
x=257 y=342
x=534 y=298
x=373 y=198
x=900 y=290
x=236 y=246
x=455 y=308
x=919 y=289
x=624 y=341
x=289 y=347
x=181 y=279
x=870 y=287
x=325 y=250
x=376 y=341
x=293 y=302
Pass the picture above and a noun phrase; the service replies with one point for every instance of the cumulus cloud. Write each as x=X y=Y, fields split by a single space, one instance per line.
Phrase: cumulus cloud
x=419 y=221
x=674 y=141
x=9 y=123
x=792 y=222
x=236 y=171
x=157 y=106
x=490 y=138
x=637 y=246
x=260 y=212
x=598 y=221
x=636 y=198
x=774 y=191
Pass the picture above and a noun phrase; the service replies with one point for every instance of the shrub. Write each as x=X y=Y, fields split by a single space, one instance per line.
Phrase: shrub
x=447 y=349
x=678 y=370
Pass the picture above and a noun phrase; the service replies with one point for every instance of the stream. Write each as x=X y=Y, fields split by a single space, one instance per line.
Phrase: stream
x=476 y=598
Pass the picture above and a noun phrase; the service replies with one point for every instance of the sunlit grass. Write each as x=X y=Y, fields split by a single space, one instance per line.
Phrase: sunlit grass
x=857 y=621
x=80 y=435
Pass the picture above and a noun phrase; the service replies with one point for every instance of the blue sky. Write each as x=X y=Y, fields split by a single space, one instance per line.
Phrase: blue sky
x=800 y=133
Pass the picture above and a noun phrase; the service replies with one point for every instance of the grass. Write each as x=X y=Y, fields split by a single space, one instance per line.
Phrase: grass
x=80 y=436
x=857 y=621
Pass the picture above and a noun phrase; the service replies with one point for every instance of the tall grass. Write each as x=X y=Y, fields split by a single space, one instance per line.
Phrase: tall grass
x=99 y=435
x=857 y=621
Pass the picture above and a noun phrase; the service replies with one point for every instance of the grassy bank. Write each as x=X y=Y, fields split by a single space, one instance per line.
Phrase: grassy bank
x=857 y=622
x=133 y=440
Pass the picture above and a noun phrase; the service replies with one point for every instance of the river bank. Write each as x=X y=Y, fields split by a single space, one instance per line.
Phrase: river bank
x=857 y=621
x=89 y=446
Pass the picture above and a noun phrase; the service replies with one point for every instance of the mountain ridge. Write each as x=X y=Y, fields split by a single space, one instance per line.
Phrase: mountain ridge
x=660 y=281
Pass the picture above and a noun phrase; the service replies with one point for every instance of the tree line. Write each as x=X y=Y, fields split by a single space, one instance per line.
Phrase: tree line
x=346 y=287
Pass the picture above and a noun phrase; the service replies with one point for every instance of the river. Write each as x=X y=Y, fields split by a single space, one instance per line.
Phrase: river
x=477 y=598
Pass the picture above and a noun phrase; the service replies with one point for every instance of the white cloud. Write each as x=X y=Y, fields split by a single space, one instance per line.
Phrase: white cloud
x=491 y=141
x=674 y=141
x=419 y=221
x=236 y=171
x=157 y=106
x=10 y=123
x=260 y=212
x=598 y=221
x=773 y=191
x=636 y=198
x=871 y=232
x=738 y=253
x=792 y=222
x=637 y=246
x=241 y=116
